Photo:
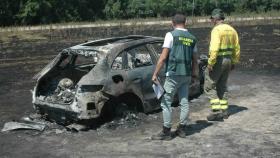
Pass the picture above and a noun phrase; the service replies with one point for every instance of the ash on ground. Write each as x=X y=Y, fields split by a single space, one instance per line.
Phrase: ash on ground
x=126 y=121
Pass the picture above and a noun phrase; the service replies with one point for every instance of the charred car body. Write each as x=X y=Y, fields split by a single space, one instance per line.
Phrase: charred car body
x=89 y=79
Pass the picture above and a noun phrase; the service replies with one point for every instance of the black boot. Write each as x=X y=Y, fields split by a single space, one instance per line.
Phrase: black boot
x=165 y=134
x=181 y=131
x=215 y=116
x=225 y=114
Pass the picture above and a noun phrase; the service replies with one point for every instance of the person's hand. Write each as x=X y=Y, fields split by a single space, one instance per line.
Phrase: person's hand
x=155 y=79
x=232 y=67
x=210 y=68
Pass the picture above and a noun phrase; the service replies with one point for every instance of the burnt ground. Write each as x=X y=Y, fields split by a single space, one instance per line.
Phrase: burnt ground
x=252 y=130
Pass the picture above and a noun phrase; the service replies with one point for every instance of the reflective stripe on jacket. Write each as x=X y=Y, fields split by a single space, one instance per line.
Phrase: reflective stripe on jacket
x=224 y=42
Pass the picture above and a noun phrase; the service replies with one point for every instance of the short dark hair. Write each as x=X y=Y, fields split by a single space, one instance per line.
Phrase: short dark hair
x=179 y=19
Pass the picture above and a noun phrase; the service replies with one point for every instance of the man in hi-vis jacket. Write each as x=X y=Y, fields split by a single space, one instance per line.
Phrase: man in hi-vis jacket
x=224 y=53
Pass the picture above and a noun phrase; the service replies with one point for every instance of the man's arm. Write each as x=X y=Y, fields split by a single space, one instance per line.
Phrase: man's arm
x=213 y=49
x=236 y=51
x=160 y=63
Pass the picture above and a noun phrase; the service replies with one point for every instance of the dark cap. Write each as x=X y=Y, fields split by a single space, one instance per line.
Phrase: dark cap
x=217 y=14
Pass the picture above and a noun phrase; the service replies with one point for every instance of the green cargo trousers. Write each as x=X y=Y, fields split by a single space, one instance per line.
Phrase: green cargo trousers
x=215 y=84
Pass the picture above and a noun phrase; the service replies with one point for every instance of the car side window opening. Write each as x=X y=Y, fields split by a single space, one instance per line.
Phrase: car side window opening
x=157 y=47
x=65 y=61
x=119 y=62
x=83 y=60
x=139 y=57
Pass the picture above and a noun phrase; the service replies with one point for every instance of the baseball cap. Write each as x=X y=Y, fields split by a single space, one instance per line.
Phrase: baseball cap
x=217 y=14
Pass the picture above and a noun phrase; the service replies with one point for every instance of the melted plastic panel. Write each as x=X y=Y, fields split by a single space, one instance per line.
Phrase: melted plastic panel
x=9 y=126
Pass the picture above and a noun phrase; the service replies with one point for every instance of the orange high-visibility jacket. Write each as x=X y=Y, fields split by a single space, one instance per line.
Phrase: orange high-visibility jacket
x=224 y=42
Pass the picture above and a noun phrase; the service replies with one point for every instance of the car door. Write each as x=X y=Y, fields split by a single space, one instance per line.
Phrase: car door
x=117 y=78
x=140 y=70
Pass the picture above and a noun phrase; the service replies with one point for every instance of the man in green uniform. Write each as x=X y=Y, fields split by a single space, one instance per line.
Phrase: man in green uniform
x=180 y=58
x=224 y=53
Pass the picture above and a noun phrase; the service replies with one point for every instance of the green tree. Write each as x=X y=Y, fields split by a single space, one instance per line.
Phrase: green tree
x=227 y=6
x=35 y=11
x=207 y=6
x=8 y=10
x=115 y=9
x=136 y=8
x=52 y=11
x=275 y=5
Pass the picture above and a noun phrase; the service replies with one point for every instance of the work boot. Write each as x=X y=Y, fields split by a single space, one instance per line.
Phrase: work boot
x=215 y=117
x=225 y=114
x=181 y=131
x=165 y=134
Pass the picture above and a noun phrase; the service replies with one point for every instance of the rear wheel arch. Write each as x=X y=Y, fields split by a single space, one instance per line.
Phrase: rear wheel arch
x=132 y=101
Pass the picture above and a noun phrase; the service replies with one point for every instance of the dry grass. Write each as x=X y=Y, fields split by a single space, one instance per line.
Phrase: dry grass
x=42 y=32
x=10 y=36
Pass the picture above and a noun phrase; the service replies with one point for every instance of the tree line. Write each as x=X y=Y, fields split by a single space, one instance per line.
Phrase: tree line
x=30 y=12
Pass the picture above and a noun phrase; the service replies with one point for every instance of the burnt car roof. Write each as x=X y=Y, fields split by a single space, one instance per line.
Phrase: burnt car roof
x=107 y=44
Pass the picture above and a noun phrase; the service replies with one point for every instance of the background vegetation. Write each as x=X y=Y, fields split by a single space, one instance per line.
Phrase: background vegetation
x=30 y=12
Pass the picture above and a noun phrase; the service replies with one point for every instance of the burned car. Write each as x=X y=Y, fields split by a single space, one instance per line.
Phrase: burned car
x=93 y=78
